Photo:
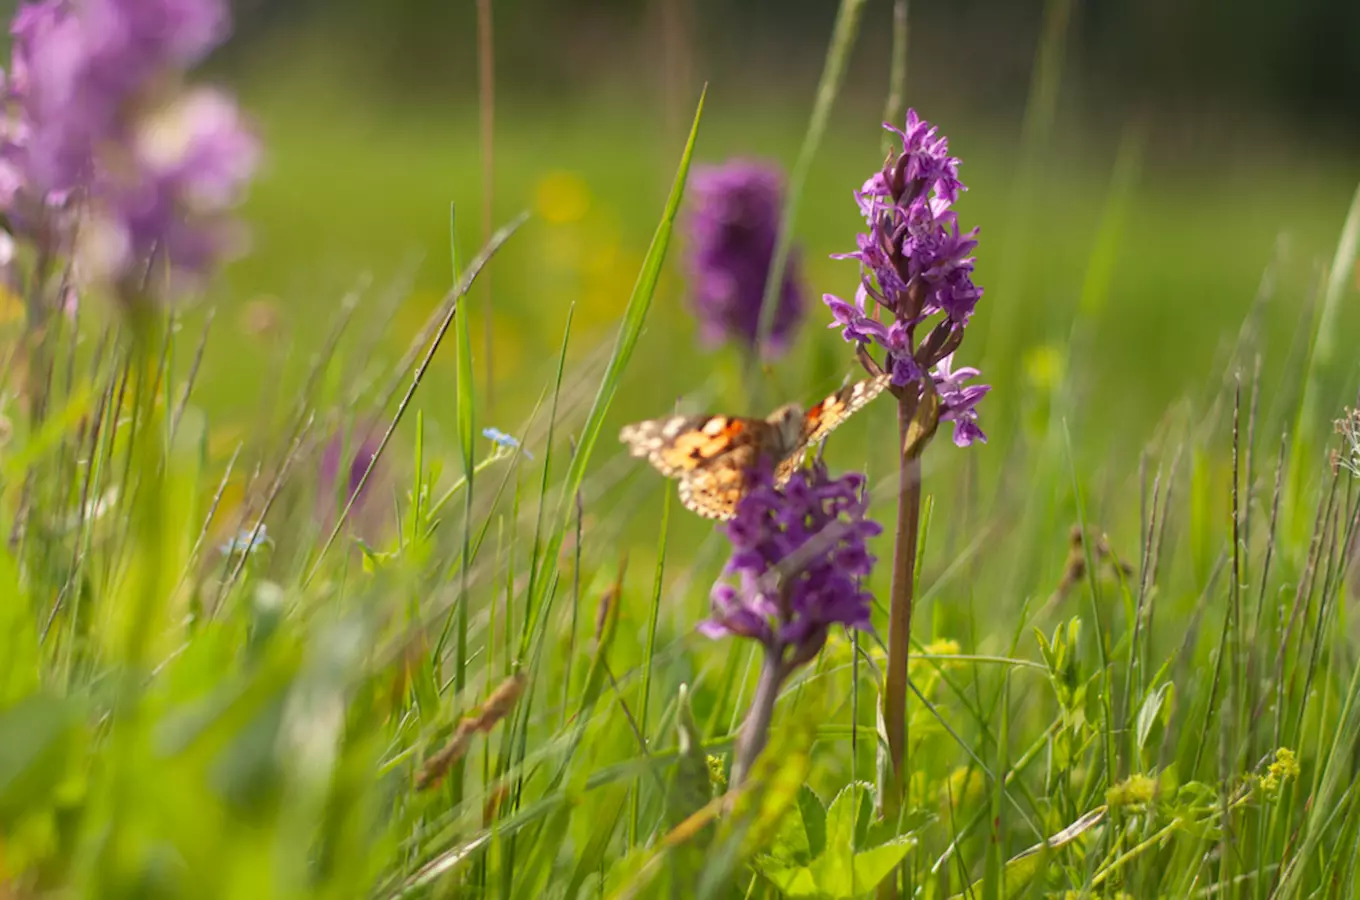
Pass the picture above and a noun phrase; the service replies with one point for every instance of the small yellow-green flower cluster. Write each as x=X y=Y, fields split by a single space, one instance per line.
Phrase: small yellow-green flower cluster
x=1135 y=791
x=1285 y=767
x=925 y=670
x=717 y=772
x=942 y=647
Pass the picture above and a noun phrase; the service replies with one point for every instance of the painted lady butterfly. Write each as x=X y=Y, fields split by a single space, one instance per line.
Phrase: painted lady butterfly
x=711 y=455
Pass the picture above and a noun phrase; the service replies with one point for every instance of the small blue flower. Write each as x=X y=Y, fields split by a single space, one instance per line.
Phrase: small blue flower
x=243 y=542
x=500 y=438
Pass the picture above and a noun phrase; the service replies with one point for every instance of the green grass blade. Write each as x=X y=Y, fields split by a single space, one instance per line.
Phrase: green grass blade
x=456 y=295
x=649 y=651
x=543 y=484
x=466 y=427
x=1324 y=345
x=634 y=317
x=833 y=73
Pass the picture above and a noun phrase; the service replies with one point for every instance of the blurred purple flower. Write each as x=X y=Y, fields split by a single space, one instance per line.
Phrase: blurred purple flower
x=798 y=553
x=97 y=127
x=916 y=265
x=733 y=225
x=359 y=459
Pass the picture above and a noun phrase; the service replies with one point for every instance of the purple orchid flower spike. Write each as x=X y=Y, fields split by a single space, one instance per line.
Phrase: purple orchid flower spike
x=916 y=269
x=733 y=226
x=104 y=156
x=799 y=555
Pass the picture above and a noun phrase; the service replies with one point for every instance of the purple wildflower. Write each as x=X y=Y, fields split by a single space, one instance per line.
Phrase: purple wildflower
x=959 y=402
x=733 y=225
x=97 y=129
x=798 y=553
x=331 y=459
x=917 y=269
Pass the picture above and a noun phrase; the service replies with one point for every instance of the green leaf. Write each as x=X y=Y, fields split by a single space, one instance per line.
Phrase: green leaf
x=872 y=866
x=20 y=673
x=1047 y=650
x=847 y=819
x=1074 y=633
x=848 y=816
x=1150 y=712
x=531 y=878
x=691 y=788
x=814 y=820
x=606 y=810
x=789 y=880
x=36 y=738
x=793 y=845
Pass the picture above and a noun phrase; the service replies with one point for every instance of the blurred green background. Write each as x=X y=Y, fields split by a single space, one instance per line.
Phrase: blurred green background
x=1149 y=170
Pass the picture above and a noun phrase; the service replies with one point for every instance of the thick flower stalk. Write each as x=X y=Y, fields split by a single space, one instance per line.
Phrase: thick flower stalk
x=799 y=554
x=733 y=226
x=106 y=157
x=915 y=298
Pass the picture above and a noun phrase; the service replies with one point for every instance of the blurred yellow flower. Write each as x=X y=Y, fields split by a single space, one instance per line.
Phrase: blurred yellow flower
x=924 y=671
x=11 y=306
x=1045 y=366
x=942 y=647
x=561 y=197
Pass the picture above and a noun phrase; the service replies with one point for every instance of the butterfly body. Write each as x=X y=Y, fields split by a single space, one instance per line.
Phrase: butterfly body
x=712 y=455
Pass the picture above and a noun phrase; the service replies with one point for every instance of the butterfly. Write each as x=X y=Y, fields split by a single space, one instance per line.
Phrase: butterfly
x=712 y=455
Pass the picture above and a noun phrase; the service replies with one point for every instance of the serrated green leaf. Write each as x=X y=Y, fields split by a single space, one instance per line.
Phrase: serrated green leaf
x=872 y=866
x=814 y=820
x=847 y=819
x=789 y=880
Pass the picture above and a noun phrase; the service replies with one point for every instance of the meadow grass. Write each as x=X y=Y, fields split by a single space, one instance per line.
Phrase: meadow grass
x=480 y=677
